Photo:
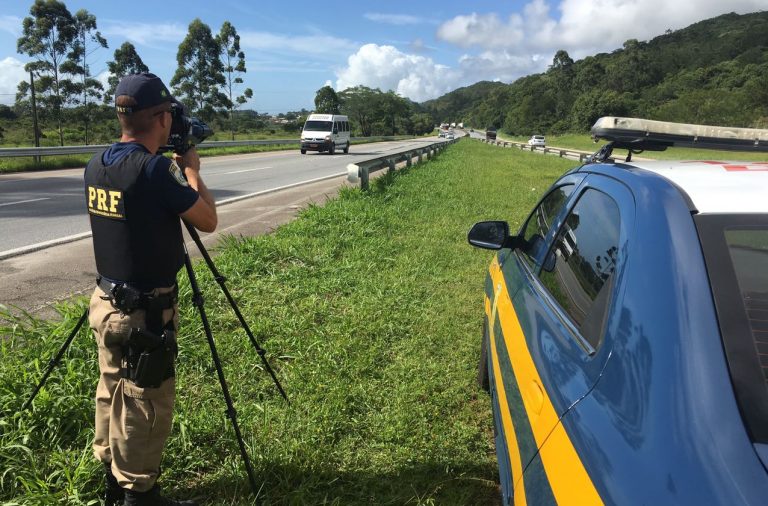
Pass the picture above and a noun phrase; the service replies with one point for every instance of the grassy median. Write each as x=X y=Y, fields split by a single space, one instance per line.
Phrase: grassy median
x=370 y=308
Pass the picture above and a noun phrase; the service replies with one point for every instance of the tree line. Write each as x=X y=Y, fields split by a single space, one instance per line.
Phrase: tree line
x=62 y=90
x=712 y=72
x=63 y=99
x=374 y=112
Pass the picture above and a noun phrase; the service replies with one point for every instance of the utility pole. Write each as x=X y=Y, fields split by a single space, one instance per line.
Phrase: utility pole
x=34 y=113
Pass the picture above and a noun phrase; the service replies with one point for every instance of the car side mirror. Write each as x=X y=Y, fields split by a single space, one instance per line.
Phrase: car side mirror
x=493 y=235
x=488 y=234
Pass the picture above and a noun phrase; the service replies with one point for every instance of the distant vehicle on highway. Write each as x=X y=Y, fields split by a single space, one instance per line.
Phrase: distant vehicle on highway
x=537 y=140
x=490 y=133
x=449 y=136
x=625 y=327
x=325 y=132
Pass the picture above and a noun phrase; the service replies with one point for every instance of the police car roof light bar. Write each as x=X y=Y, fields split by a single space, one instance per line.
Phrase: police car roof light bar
x=637 y=135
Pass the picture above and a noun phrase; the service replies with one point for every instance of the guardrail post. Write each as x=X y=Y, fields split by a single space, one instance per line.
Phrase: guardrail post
x=391 y=165
x=364 y=178
x=409 y=160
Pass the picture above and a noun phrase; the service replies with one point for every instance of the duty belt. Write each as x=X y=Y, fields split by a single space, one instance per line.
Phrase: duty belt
x=128 y=298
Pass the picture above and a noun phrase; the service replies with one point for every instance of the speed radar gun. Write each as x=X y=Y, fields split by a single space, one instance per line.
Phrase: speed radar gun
x=148 y=354
x=186 y=131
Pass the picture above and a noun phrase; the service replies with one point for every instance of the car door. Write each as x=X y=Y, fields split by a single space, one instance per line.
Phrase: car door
x=562 y=308
x=515 y=444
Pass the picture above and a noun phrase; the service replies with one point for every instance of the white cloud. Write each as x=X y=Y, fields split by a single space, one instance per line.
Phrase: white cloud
x=103 y=78
x=485 y=30
x=395 y=19
x=417 y=45
x=620 y=20
x=319 y=45
x=11 y=74
x=328 y=82
x=502 y=65
x=526 y=42
x=416 y=77
x=11 y=24
x=147 y=34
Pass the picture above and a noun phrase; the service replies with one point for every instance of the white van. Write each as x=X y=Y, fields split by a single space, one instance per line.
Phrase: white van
x=325 y=132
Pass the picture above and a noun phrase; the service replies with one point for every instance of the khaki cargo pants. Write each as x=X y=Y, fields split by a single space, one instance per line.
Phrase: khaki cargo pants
x=132 y=423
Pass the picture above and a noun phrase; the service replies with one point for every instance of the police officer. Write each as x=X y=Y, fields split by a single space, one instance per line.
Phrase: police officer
x=135 y=198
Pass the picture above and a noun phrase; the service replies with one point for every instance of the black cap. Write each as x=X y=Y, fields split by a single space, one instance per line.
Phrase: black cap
x=146 y=89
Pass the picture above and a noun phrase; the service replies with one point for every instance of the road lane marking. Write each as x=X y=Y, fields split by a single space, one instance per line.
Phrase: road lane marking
x=63 y=240
x=244 y=170
x=24 y=201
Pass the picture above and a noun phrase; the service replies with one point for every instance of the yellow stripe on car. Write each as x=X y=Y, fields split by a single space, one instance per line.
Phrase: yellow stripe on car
x=506 y=419
x=567 y=477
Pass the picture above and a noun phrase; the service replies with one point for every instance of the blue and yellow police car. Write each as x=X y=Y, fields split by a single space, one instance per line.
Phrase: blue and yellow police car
x=625 y=342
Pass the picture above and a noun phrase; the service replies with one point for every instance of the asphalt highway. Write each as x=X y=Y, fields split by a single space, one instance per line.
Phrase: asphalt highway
x=38 y=207
x=46 y=206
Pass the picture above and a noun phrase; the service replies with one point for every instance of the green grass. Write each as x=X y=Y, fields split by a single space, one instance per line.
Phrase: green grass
x=370 y=308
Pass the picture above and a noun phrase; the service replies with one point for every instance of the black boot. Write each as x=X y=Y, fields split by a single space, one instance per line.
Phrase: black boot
x=113 y=495
x=152 y=498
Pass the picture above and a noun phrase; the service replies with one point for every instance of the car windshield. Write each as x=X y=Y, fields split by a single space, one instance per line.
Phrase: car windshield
x=736 y=252
x=318 y=126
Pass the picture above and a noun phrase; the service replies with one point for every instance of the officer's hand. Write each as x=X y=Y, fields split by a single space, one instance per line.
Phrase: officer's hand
x=190 y=160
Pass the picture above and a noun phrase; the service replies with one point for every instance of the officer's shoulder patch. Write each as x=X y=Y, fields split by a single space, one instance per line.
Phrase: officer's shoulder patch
x=175 y=171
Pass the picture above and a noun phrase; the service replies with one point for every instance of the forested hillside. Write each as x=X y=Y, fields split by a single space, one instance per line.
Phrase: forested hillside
x=712 y=72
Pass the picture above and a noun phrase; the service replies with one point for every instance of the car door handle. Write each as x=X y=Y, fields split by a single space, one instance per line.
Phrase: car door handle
x=535 y=398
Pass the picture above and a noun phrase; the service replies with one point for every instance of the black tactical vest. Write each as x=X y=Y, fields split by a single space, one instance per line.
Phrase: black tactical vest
x=135 y=239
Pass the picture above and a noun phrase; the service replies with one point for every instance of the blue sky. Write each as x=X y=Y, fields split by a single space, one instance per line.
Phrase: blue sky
x=421 y=49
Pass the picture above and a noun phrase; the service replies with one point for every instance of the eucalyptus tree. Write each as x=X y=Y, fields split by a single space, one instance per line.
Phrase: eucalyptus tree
x=47 y=35
x=200 y=74
x=126 y=61
x=86 y=42
x=327 y=101
x=234 y=67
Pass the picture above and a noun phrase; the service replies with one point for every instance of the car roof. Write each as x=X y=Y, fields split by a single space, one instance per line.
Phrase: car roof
x=715 y=186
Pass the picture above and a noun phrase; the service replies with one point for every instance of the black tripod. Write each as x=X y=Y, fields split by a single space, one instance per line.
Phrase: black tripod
x=197 y=300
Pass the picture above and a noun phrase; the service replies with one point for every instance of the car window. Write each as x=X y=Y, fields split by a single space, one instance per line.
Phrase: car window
x=578 y=270
x=540 y=222
x=736 y=252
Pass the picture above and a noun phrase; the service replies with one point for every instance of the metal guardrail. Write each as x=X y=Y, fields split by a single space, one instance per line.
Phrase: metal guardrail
x=562 y=153
x=95 y=148
x=360 y=171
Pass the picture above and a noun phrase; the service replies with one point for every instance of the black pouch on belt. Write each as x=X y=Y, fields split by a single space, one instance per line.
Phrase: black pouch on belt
x=150 y=358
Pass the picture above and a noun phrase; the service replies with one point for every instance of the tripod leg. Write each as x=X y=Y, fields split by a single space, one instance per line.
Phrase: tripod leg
x=221 y=280
x=55 y=361
x=197 y=300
